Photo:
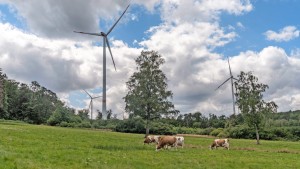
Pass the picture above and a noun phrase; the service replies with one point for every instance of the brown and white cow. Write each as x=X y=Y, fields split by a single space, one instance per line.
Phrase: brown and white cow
x=220 y=143
x=166 y=141
x=151 y=139
x=180 y=141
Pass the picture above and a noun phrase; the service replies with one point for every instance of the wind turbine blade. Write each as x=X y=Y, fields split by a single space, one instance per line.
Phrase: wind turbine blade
x=96 y=97
x=235 y=78
x=223 y=83
x=95 y=34
x=87 y=93
x=112 y=58
x=229 y=67
x=117 y=21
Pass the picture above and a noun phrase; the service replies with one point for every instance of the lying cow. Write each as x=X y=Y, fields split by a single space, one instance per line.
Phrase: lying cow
x=166 y=141
x=220 y=143
x=151 y=139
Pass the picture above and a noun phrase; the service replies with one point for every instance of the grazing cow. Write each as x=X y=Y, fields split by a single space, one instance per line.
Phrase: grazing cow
x=220 y=143
x=180 y=141
x=166 y=141
x=151 y=139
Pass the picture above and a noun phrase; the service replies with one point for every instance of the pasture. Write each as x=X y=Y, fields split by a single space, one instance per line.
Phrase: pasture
x=25 y=146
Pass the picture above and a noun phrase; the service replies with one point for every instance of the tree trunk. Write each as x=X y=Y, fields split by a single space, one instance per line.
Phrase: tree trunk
x=147 y=128
x=257 y=135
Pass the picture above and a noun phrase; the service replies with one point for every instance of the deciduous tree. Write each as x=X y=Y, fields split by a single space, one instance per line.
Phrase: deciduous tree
x=147 y=95
x=250 y=101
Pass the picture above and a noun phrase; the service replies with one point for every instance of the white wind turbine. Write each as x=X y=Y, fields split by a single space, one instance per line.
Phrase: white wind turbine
x=231 y=78
x=91 y=103
x=105 y=42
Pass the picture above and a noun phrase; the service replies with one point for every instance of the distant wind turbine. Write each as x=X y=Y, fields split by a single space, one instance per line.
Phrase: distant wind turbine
x=91 y=103
x=231 y=79
x=105 y=42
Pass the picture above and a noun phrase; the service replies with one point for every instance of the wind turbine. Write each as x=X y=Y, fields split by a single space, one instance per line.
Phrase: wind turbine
x=91 y=102
x=105 y=42
x=231 y=78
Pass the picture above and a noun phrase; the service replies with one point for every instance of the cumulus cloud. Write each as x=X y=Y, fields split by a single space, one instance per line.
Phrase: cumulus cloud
x=58 y=19
x=286 y=34
x=193 y=10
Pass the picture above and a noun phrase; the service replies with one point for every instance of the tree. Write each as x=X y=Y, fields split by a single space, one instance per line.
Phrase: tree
x=250 y=101
x=147 y=95
x=99 y=117
x=109 y=114
x=2 y=92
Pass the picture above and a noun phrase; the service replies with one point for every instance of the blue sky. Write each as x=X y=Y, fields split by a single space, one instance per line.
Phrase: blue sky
x=195 y=37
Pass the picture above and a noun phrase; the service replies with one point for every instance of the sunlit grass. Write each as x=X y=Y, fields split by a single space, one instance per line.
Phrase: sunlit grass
x=31 y=146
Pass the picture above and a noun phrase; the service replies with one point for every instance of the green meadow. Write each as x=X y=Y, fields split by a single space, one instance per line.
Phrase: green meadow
x=24 y=146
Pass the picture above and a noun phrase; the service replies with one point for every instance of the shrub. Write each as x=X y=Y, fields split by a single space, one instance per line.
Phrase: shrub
x=205 y=131
x=216 y=132
x=241 y=131
x=131 y=126
x=162 y=128
x=84 y=124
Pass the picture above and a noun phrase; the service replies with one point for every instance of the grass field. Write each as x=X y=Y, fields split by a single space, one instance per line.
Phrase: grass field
x=42 y=147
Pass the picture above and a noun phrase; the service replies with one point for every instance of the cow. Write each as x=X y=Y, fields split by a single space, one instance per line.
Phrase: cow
x=180 y=141
x=151 y=139
x=220 y=143
x=166 y=141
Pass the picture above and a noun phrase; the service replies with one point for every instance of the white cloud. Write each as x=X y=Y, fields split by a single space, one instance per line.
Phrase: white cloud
x=58 y=19
x=178 y=11
x=286 y=34
x=295 y=53
x=240 y=25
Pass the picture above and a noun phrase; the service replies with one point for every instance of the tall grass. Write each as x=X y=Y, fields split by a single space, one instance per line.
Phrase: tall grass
x=42 y=147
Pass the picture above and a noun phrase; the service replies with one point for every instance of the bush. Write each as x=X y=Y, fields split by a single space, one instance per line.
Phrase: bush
x=84 y=124
x=205 y=131
x=216 y=132
x=241 y=131
x=131 y=126
x=162 y=129
x=185 y=130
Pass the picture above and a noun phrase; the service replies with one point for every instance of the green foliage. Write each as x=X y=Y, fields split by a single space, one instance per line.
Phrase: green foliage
x=147 y=95
x=249 y=100
x=216 y=132
x=136 y=125
x=63 y=115
x=162 y=129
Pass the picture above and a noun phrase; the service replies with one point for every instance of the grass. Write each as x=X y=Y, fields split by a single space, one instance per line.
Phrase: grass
x=25 y=146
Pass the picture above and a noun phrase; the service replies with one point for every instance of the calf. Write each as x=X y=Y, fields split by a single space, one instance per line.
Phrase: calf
x=166 y=141
x=220 y=143
x=151 y=139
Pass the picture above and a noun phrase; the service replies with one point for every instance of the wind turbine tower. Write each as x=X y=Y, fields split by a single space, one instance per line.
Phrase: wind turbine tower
x=231 y=78
x=105 y=42
x=91 y=102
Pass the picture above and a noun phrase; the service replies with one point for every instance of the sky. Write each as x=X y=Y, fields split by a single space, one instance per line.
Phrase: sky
x=195 y=37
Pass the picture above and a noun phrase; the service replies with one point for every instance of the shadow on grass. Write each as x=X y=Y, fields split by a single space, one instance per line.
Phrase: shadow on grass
x=10 y=122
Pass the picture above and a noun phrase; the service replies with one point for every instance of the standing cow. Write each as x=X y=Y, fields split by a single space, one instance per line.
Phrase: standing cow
x=151 y=139
x=166 y=141
x=220 y=143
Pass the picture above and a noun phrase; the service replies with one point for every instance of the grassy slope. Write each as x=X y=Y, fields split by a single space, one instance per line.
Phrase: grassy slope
x=31 y=146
